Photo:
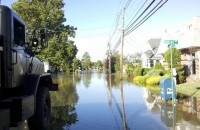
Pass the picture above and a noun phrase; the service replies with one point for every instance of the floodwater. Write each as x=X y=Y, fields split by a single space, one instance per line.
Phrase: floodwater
x=97 y=101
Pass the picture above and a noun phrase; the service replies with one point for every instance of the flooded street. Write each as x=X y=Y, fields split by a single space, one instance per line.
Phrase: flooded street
x=97 y=101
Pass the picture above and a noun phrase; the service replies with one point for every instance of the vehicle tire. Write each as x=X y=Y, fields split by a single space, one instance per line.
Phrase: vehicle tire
x=41 y=119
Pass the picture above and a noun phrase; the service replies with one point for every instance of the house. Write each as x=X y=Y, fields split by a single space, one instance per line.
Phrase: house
x=188 y=36
x=149 y=57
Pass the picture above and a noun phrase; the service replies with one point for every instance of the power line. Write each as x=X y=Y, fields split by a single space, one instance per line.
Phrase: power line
x=117 y=22
x=136 y=15
x=127 y=4
x=127 y=29
x=146 y=17
x=138 y=19
x=116 y=46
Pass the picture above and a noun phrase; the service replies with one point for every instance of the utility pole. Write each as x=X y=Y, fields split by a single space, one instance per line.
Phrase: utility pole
x=122 y=46
x=109 y=51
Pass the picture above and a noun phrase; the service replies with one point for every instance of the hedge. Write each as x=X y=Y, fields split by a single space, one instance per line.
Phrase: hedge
x=153 y=80
x=140 y=80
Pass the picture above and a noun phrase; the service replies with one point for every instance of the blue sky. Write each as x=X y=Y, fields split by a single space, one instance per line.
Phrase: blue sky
x=96 y=21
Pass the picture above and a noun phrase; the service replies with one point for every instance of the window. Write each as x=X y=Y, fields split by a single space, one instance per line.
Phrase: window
x=19 y=33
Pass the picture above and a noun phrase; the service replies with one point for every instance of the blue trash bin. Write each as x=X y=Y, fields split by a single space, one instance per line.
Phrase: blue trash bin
x=166 y=88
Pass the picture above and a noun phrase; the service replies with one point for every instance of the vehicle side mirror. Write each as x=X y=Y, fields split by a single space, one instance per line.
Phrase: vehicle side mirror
x=43 y=38
x=35 y=42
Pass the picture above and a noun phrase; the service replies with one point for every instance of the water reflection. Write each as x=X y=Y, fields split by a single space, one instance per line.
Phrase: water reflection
x=168 y=115
x=98 y=101
x=190 y=108
x=113 y=81
x=63 y=112
x=121 y=110
x=86 y=77
x=152 y=100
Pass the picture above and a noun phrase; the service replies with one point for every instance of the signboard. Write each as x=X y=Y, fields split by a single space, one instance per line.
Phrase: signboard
x=171 y=42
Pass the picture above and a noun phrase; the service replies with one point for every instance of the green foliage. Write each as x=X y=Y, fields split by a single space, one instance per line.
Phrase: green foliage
x=137 y=72
x=86 y=61
x=140 y=80
x=86 y=57
x=176 y=64
x=141 y=71
x=60 y=55
x=155 y=72
x=49 y=14
x=129 y=71
x=115 y=62
x=153 y=80
x=176 y=54
x=167 y=75
x=76 y=64
x=99 y=64
x=180 y=75
x=158 y=66
x=145 y=70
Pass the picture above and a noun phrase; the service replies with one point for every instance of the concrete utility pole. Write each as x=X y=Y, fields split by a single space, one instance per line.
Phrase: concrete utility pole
x=122 y=46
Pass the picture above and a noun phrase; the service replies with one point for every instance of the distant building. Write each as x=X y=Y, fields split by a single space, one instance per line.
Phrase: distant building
x=149 y=57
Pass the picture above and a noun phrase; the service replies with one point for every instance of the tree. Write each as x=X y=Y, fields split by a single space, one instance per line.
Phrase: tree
x=99 y=64
x=76 y=64
x=86 y=60
x=49 y=14
x=176 y=54
x=115 y=62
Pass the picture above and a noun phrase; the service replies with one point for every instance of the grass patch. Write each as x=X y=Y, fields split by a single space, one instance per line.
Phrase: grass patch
x=190 y=89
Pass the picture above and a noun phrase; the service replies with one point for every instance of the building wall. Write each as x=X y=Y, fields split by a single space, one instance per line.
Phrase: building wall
x=190 y=61
x=144 y=61
x=198 y=63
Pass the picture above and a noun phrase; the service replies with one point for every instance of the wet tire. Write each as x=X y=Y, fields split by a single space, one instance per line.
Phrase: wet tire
x=41 y=119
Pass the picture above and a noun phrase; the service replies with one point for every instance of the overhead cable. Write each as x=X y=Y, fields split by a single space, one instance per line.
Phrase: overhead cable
x=155 y=9
x=128 y=26
x=117 y=22
x=140 y=15
x=116 y=46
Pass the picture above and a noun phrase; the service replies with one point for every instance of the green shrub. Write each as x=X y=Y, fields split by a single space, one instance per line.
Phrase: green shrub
x=176 y=64
x=141 y=71
x=145 y=71
x=141 y=80
x=167 y=75
x=155 y=72
x=129 y=71
x=154 y=80
x=180 y=75
x=137 y=72
x=158 y=66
